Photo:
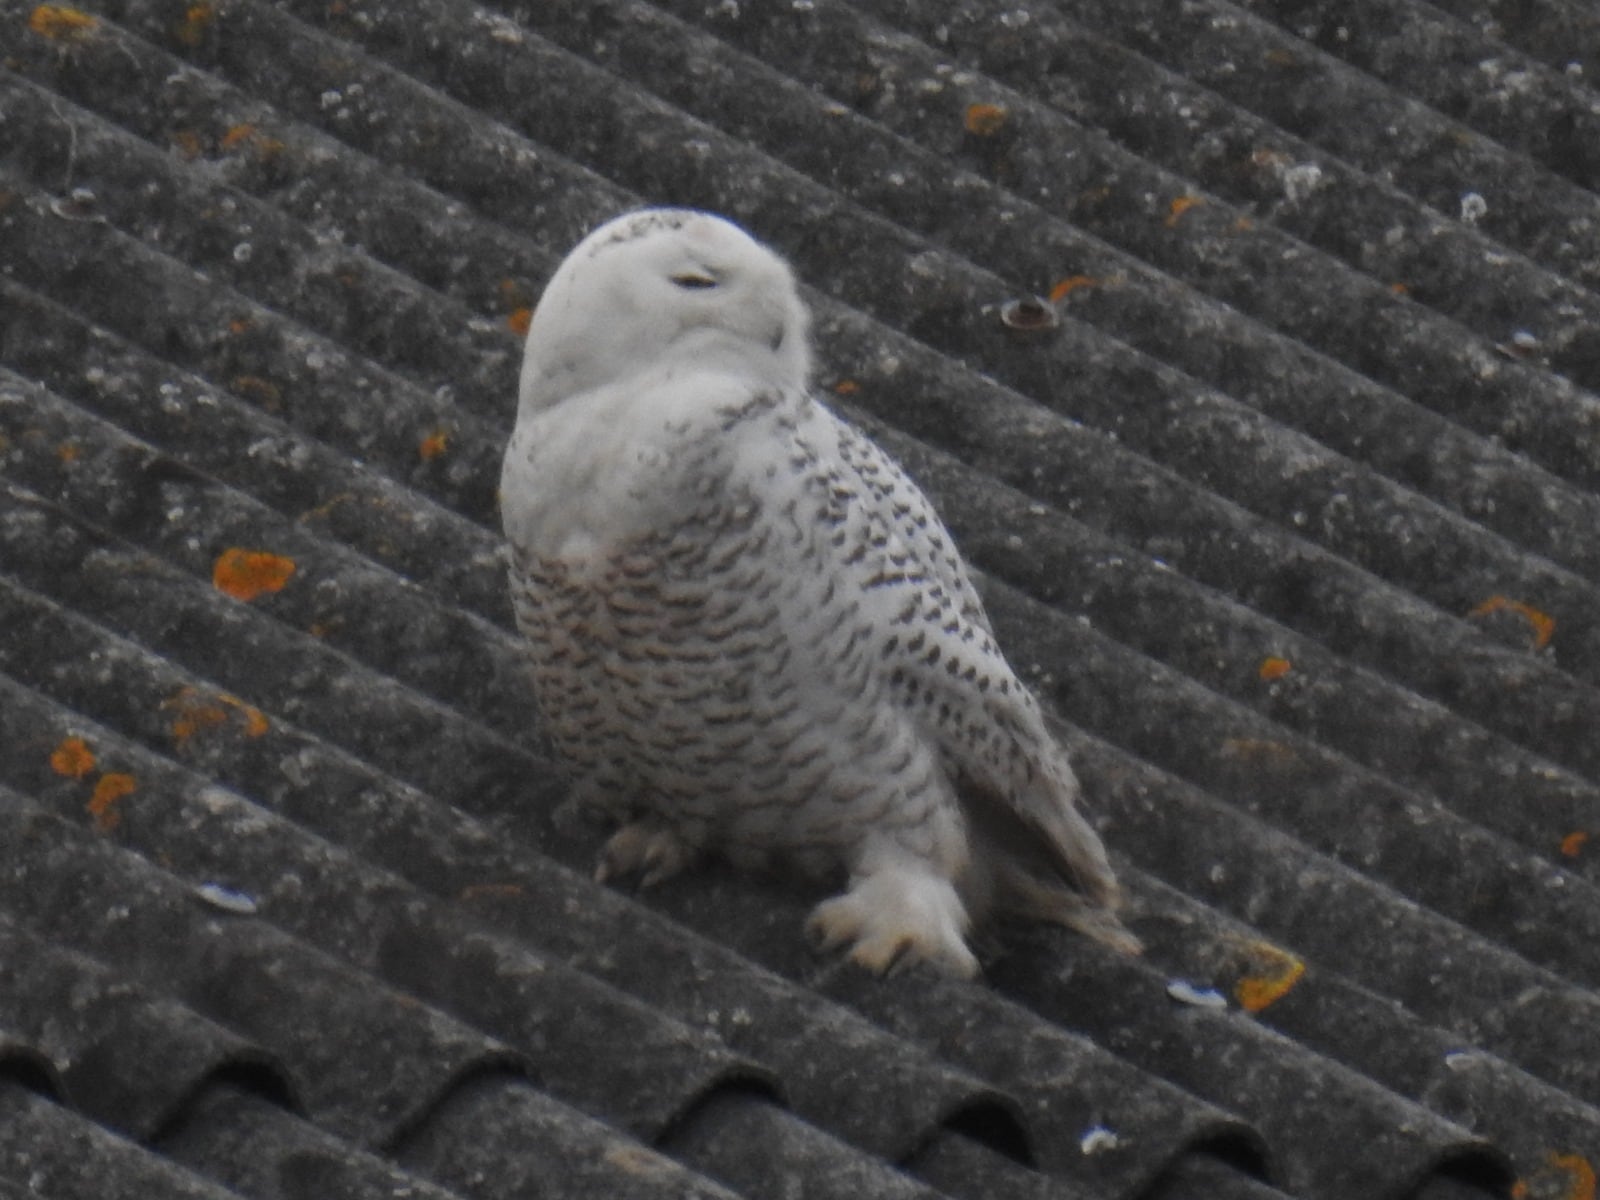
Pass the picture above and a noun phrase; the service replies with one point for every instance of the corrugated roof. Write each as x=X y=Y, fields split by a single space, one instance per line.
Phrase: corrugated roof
x=1284 y=482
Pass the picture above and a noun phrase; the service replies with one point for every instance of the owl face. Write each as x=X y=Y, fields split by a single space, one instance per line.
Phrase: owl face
x=658 y=285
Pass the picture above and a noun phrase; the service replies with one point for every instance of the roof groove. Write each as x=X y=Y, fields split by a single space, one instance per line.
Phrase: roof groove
x=1120 y=191
x=122 y=690
x=246 y=976
x=1422 y=42
x=261 y=267
x=461 y=768
x=191 y=842
x=124 y=1057
x=52 y=1152
x=372 y=812
x=1212 y=436
x=317 y=892
x=1228 y=1059
x=1559 y=32
x=1472 y=689
x=1323 y=99
x=870 y=161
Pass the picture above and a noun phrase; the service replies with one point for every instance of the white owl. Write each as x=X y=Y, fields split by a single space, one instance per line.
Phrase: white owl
x=751 y=635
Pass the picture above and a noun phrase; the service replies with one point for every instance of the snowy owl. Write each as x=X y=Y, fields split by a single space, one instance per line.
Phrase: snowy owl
x=750 y=633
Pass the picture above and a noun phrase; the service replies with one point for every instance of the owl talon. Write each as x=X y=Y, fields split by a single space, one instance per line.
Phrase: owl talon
x=652 y=851
x=894 y=918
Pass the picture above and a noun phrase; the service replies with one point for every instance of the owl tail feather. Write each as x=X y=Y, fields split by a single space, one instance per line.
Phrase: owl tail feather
x=1025 y=894
x=1042 y=860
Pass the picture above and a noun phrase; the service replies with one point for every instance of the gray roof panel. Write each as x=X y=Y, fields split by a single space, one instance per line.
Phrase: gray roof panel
x=1289 y=508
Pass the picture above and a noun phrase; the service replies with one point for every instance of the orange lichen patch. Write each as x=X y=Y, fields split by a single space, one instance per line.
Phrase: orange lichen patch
x=846 y=387
x=1572 y=845
x=1544 y=626
x=58 y=21
x=237 y=135
x=1273 y=667
x=246 y=574
x=517 y=301
x=1400 y=289
x=985 y=120
x=108 y=791
x=257 y=390
x=240 y=325
x=1280 y=57
x=194 y=711
x=474 y=891
x=197 y=18
x=1181 y=205
x=1243 y=225
x=1567 y=1177
x=68 y=452
x=1278 y=971
x=1257 y=750
x=188 y=143
x=72 y=758
x=1581 y=1173
x=1065 y=287
x=435 y=444
x=255 y=721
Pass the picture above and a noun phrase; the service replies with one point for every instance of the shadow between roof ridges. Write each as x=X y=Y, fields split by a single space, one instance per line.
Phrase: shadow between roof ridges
x=483 y=437
x=95 y=1033
x=137 y=190
x=1468 y=1077
x=96 y=353
x=43 y=244
x=496 y=636
x=245 y=685
x=1023 y=210
x=269 y=428
x=212 y=855
x=180 y=837
x=1236 y=864
x=1422 y=507
x=57 y=1154
x=1463 y=40
x=256 y=980
x=186 y=545
x=1000 y=533
x=186 y=832
x=1551 y=19
x=403 y=53
x=1226 y=1059
x=230 y=1133
x=1315 y=794
x=1156 y=43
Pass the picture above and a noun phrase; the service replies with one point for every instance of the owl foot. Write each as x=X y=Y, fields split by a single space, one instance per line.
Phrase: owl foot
x=652 y=851
x=899 y=914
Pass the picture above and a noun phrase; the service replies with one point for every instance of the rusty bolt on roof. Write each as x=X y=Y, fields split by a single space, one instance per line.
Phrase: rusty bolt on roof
x=1029 y=317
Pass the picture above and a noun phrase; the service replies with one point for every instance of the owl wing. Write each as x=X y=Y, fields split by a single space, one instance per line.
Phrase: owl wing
x=1016 y=787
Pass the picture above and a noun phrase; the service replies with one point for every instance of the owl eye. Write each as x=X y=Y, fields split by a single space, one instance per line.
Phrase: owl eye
x=693 y=280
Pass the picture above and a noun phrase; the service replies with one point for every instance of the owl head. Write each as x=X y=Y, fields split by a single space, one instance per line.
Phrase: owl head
x=659 y=285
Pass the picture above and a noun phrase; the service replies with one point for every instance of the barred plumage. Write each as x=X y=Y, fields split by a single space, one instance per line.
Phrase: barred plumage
x=751 y=634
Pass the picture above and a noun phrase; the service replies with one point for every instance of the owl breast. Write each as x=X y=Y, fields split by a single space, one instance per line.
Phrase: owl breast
x=720 y=672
